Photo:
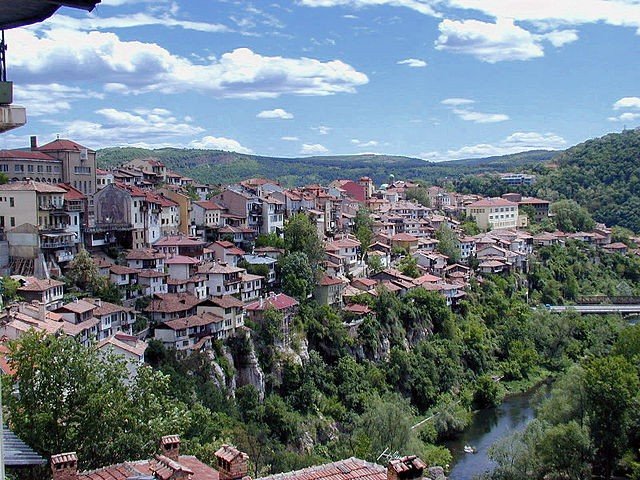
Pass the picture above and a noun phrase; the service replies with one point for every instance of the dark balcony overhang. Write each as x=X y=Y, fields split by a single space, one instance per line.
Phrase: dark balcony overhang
x=18 y=13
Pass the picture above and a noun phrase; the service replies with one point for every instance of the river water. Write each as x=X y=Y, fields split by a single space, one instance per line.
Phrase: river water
x=487 y=427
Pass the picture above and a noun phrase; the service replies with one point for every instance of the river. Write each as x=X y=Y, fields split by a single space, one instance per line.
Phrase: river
x=487 y=427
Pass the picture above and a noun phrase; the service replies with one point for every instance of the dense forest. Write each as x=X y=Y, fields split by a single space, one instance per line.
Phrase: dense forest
x=213 y=166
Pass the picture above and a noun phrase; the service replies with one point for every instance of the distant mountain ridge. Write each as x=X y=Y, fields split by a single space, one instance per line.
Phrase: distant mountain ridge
x=215 y=166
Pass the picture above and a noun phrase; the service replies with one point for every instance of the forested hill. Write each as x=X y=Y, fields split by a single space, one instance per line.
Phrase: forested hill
x=214 y=166
x=603 y=175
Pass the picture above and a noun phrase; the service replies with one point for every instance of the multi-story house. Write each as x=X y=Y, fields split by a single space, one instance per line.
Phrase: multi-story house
x=467 y=246
x=146 y=259
x=168 y=306
x=282 y=303
x=251 y=288
x=180 y=245
x=49 y=292
x=226 y=252
x=103 y=178
x=184 y=208
x=78 y=163
x=490 y=213
x=30 y=165
x=155 y=170
x=55 y=216
x=229 y=308
x=193 y=332
x=329 y=291
x=152 y=282
x=272 y=215
x=222 y=279
x=345 y=248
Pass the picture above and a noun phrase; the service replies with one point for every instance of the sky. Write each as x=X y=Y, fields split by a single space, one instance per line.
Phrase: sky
x=434 y=79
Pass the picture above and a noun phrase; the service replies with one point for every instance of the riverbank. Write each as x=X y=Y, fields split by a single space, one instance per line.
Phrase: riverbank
x=489 y=426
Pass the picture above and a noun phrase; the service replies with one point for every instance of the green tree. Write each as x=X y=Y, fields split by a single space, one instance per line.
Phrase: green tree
x=409 y=266
x=363 y=228
x=571 y=217
x=9 y=289
x=374 y=262
x=301 y=235
x=83 y=273
x=93 y=410
x=298 y=279
x=270 y=240
x=448 y=243
x=611 y=385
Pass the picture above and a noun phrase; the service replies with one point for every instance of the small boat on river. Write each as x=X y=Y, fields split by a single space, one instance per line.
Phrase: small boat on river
x=470 y=449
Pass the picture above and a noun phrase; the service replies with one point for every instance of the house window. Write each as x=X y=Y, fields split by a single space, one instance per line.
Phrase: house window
x=18 y=168
x=11 y=202
x=13 y=221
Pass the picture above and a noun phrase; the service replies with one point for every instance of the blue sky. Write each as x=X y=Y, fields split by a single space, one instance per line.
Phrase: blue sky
x=436 y=79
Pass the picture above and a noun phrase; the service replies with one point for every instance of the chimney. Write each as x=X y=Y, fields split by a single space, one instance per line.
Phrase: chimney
x=98 y=302
x=405 y=468
x=42 y=311
x=170 y=446
x=232 y=463
x=64 y=466
x=34 y=142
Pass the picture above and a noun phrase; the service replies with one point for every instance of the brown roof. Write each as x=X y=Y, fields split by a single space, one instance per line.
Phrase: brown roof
x=493 y=202
x=122 y=270
x=349 y=469
x=329 y=280
x=144 y=254
x=172 y=302
x=126 y=343
x=33 y=284
x=280 y=301
x=226 y=301
x=193 y=321
x=124 y=471
x=105 y=308
x=31 y=186
x=62 y=144
x=178 y=240
x=26 y=155
x=78 y=306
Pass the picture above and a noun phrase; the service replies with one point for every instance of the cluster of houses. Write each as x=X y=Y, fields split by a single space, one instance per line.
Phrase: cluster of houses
x=190 y=263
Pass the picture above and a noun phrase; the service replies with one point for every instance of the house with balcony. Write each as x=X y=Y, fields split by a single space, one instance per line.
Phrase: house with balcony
x=152 y=282
x=190 y=333
x=169 y=306
x=206 y=215
x=345 y=249
x=272 y=215
x=180 y=245
x=226 y=252
x=251 y=288
x=222 y=279
x=229 y=308
x=42 y=206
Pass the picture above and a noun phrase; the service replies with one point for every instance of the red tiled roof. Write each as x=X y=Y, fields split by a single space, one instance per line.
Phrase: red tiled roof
x=26 y=155
x=61 y=144
x=144 y=254
x=178 y=240
x=31 y=186
x=172 y=302
x=33 y=284
x=226 y=301
x=358 y=309
x=281 y=301
x=349 y=469
x=72 y=193
x=181 y=260
x=404 y=237
x=493 y=202
x=329 y=280
x=206 y=318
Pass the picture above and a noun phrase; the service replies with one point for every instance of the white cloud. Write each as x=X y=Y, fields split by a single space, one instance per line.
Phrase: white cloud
x=322 y=129
x=627 y=102
x=489 y=42
x=625 y=117
x=313 y=149
x=560 y=38
x=479 y=117
x=514 y=143
x=132 y=67
x=220 y=143
x=275 y=113
x=457 y=101
x=624 y=13
x=462 y=107
x=140 y=19
x=49 y=99
x=368 y=144
x=156 y=126
x=413 y=63
x=421 y=6
x=290 y=139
